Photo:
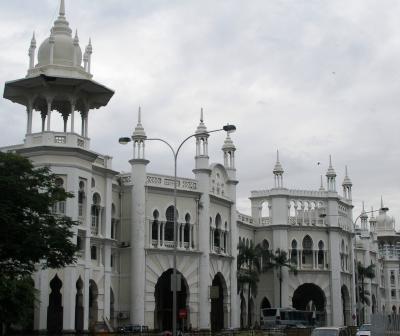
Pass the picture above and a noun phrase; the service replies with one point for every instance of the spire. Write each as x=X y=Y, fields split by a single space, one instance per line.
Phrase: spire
x=33 y=41
x=331 y=172
x=76 y=39
x=201 y=129
x=363 y=213
x=61 y=12
x=346 y=181
x=321 y=187
x=372 y=218
x=139 y=130
x=381 y=202
x=278 y=170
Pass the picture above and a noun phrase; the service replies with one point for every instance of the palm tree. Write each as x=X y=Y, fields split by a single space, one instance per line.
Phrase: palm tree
x=363 y=273
x=276 y=260
x=248 y=268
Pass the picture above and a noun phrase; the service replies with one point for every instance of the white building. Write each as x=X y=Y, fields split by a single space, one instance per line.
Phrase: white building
x=125 y=231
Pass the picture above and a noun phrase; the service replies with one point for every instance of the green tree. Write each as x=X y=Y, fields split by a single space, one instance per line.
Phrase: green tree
x=248 y=269
x=362 y=274
x=276 y=260
x=31 y=235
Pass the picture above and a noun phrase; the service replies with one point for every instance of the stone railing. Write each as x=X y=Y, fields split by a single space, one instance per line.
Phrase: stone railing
x=162 y=181
x=244 y=218
x=56 y=139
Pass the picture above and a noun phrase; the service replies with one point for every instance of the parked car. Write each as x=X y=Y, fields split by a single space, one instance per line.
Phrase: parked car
x=364 y=330
x=329 y=331
x=133 y=328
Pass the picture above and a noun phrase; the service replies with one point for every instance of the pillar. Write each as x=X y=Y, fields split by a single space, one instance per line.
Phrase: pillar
x=137 y=235
x=48 y=115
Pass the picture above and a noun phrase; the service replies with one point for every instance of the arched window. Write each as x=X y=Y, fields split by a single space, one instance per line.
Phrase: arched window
x=169 y=225
x=293 y=253
x=95 y=213
x=307 y=250
x=321 y=253
x=81 y=198
x=114 y=223
x=154 y=225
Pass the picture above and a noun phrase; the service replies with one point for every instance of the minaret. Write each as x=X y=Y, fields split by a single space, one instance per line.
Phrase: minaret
x=202 y=173
x=347 y=187
x=331 y=177
x=229 y=162
x=88 y=52
x=76 y=48
x=278 y=172
x=372 y=221
x=364 y=219
x=138 y=224
x=31 y=52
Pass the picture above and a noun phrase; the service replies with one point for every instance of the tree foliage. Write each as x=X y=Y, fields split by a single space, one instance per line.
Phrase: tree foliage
x=29 y=232
x=362 y=274
x=31 y=236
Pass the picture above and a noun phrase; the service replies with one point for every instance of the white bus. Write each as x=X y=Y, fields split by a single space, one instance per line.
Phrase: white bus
x=286 y=317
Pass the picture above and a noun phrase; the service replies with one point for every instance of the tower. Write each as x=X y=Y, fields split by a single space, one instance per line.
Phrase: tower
x=58 y=83
x=364 y=219
x=138 y=222
x=202 y=173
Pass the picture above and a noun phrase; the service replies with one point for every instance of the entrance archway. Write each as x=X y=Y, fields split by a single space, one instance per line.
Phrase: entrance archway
x=55 y=309
x=346 y=307
x=79 y=305
x=218 y=291
x=163 y=296
x=93 y=305
x=310 y=295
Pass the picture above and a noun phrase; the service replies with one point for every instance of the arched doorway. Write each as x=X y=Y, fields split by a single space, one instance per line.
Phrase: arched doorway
x=55 y=309
x=311 y=296
x=79 y=305
x=243 y=312
x=163 y=296
x=218 y=291
x=265 y=303
x=93 y=305
x=346 y=307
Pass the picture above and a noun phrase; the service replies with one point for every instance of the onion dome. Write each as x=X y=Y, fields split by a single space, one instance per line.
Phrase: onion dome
x=64 y=50
x=383 y=220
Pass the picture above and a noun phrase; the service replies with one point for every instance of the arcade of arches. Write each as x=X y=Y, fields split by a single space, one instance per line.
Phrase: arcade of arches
x=163 y=306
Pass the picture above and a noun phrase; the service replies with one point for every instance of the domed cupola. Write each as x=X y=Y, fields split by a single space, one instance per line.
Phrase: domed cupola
x=384 y=222
x=60 y=53
x=347 y=184
x=201 y=128
x=228 y=148
x=331 y=176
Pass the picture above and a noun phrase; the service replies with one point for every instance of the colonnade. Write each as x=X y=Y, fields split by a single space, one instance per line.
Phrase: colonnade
x=160 y=240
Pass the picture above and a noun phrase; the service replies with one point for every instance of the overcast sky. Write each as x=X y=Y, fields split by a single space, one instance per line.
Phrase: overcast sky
x=310 y=78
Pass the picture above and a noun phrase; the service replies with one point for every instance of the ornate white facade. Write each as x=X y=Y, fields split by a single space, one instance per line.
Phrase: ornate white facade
x=125 y=231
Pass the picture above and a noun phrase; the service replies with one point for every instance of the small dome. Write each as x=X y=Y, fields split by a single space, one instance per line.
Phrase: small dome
x=63 y=52
x=201 y=128
x=384 y=221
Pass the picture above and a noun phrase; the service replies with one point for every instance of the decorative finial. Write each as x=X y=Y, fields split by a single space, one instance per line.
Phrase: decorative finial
x=139 y=115
x=62 y=8
x=277 y=155
x=363 y=208
x=381 y=202
x=330 y=160
x=201 y=115
x=76 y=38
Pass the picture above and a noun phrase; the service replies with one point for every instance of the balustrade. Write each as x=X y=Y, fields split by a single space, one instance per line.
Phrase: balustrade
x=185 y=235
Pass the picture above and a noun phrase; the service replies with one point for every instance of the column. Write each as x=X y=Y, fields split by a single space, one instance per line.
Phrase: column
x=190 y=236
x=43 y=116
x=72 y=117
x=42 y=284
x=107 y=279
x=86 y=123
x=158 y=234
x=163 y=234
x=182 y=240
x=29 y=121
x=137 y=240
x=83 y=124
x=48 y=115
x=69 y=285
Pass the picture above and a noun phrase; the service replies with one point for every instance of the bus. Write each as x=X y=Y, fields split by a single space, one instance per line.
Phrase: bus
x=286 y=317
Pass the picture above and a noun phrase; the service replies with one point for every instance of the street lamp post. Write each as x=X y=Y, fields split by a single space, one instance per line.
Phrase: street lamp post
x=124 y=141
x=355 y=285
